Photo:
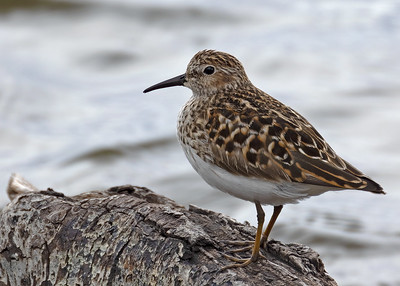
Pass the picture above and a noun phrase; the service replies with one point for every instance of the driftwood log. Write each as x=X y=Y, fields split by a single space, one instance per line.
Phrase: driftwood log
x=131 y=236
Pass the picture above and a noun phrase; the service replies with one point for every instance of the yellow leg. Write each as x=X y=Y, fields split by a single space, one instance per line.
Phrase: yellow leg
x=256 y=247
x=260 y=224
x=275 y=214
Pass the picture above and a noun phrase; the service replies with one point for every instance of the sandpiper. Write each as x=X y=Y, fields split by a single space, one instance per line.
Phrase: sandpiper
x=246 y=143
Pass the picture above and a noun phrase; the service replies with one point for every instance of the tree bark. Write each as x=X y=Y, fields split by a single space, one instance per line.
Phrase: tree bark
x=129 y=235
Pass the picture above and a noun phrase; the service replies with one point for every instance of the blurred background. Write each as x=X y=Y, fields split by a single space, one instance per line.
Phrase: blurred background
x=73 y=116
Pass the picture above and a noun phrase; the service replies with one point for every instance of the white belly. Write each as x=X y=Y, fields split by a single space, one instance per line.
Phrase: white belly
x=250 y=188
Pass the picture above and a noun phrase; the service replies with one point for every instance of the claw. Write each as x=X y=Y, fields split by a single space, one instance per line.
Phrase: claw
x=243 y=249
x=241 y=262
x=235 y=259
x=248 y=245
x=239 y=243
x=244 y=263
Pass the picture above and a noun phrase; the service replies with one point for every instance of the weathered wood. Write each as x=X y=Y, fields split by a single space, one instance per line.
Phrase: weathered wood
x=131 y=236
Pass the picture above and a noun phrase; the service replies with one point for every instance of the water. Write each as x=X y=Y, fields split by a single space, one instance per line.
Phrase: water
x=73 y=116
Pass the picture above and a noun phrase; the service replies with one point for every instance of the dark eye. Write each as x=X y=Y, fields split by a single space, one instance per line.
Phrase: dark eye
x=209 y=70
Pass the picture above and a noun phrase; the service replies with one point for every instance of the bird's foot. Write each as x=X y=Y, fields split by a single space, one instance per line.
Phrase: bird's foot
x=240 y=262
x=247 y=245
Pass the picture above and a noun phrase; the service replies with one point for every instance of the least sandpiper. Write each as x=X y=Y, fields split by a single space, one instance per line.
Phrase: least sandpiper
x=246 y=143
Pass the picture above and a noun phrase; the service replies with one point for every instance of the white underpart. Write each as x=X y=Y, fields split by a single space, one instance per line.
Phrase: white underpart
x=251 y=188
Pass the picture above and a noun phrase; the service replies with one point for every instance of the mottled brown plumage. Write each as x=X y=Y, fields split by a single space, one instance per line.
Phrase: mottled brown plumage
x=249 y=133
x=246 y=143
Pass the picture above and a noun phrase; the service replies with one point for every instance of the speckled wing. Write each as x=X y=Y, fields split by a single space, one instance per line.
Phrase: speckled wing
x=278 y=145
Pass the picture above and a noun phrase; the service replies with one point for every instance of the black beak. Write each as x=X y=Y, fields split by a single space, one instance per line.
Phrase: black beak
x=175 y=81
